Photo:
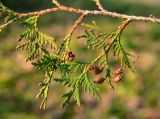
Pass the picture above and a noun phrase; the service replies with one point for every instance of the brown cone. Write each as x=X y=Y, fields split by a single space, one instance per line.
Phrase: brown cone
x=117 y=78
x=118 y=71
x=70 y=56
x=99 y=80
x=96 y=70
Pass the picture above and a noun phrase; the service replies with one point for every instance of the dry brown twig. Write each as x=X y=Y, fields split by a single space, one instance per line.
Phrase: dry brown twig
x=94 y=12
x=84 y=13
x=56 y=3
x=79 y=20
x=99 y=5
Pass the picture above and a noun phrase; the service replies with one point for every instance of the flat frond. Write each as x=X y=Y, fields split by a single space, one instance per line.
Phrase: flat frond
x=67 y=97
x=91 y=26
x=44 y=90
x=94 y=41
x=89 y=86
x=121 y=54
x=47 y=63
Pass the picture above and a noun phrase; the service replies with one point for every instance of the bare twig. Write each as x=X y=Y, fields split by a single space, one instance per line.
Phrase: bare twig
x=79 y=20
x=93 y=12
x=99 y=5
x=124 y=24
x=56 y=3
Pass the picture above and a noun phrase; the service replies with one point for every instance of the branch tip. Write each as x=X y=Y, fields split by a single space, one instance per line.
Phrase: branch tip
x=56 y=3
x=99 y=5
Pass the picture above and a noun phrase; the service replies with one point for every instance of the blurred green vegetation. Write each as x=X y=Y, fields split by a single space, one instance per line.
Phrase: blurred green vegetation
x=136 y=97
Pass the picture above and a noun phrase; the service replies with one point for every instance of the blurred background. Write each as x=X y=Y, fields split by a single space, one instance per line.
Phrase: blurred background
x=136 y=97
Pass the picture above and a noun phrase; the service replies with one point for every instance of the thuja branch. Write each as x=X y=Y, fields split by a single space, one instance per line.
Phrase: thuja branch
x=73 y=74
x=94 y=12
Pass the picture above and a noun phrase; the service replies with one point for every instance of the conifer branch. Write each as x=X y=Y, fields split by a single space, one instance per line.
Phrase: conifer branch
x=39 y=45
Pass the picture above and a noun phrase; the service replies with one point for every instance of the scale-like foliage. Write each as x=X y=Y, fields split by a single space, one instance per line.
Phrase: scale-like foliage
x=94 y=42
x=73 y=74
x=8 y=16
x=120 y=53
x=78 y=66
x=67 y=98
x=88 y=86
x=36 y=40
x=93 y=26
x=47 y=63
x=75 y=83
x=43 y=93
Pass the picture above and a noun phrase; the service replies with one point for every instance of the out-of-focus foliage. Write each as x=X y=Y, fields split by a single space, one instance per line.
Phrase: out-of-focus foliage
x=136 y=97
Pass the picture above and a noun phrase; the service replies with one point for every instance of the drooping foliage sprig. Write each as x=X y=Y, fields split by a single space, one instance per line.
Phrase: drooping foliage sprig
x=34 y=40
x=45 y=54
x=7 y=15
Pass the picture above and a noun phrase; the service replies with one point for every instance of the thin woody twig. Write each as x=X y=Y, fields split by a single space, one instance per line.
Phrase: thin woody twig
x=93 y=12
x=99 y=5
x=41 y=12
x=79 y=20
x=124 y=24
x=56 y=3
x=67 y=39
